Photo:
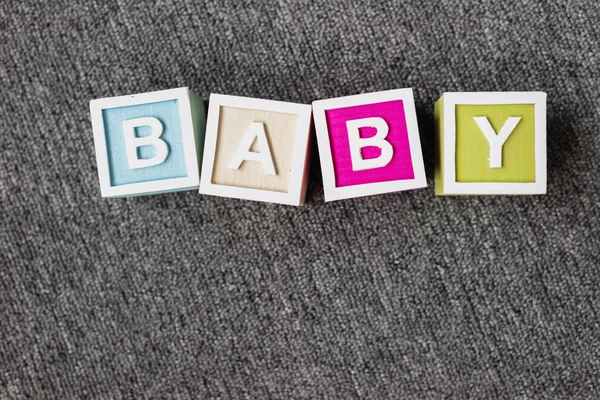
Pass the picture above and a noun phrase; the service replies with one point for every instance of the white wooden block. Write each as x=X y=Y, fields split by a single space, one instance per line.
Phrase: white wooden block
x=148 y=143
x=491 y=143
x=256 y=149
x=369 y=144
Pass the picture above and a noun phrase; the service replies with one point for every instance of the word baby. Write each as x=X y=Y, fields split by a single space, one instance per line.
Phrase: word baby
x=368 y=144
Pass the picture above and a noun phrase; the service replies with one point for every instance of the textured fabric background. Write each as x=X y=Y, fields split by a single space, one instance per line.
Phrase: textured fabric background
x=404 y=295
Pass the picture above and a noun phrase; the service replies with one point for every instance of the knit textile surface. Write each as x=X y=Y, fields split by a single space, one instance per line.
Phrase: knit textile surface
x=398 y=296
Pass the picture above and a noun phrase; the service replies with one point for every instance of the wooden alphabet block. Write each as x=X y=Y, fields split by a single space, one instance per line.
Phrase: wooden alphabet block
x=369 y=144
x=491 y=143
x=148 y=143
x=256 y=149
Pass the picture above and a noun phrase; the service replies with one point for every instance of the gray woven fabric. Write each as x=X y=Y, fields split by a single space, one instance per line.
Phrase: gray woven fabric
x=403 y=295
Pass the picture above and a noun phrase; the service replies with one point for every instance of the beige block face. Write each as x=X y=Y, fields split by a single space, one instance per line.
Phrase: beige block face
x=280 y=129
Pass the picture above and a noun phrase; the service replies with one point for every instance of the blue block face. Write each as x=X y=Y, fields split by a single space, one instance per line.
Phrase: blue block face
x=174 y=166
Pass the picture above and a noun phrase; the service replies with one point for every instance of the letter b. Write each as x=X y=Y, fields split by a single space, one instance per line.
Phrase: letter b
x=357 y=143
x=132 y=142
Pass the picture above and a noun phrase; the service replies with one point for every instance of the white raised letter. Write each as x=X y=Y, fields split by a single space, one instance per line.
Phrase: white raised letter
x=256 y=131
x=357 y=143
x=132 y=142
x=496 y=141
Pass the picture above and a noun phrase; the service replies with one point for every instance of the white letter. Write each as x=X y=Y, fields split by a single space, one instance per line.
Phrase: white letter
x=256 y=131
x=496 y=141
x=357 y=143
x=132 y=142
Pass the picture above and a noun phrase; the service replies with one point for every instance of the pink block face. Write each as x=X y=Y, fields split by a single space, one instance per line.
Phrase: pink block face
x=400 y=166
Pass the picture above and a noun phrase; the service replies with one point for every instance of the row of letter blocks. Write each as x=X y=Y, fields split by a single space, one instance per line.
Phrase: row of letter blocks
x=487 y=143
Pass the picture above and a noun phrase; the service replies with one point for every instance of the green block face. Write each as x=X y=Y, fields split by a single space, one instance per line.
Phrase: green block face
x=473 y=148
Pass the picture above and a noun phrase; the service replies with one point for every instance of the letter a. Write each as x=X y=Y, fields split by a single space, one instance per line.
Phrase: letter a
x=256 y=131
x=132 y=142
x=357 y=143
x=496 y=141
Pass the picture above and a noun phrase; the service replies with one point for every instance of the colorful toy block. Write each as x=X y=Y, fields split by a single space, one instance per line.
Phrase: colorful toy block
x=369 y=144
x=491 y=143
x=148 y=143
x=256 y=149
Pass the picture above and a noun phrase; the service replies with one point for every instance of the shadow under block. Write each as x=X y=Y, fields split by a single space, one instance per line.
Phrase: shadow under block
x=148 y=143
x=490 y=143
x=369 y=144
x=256 y=149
